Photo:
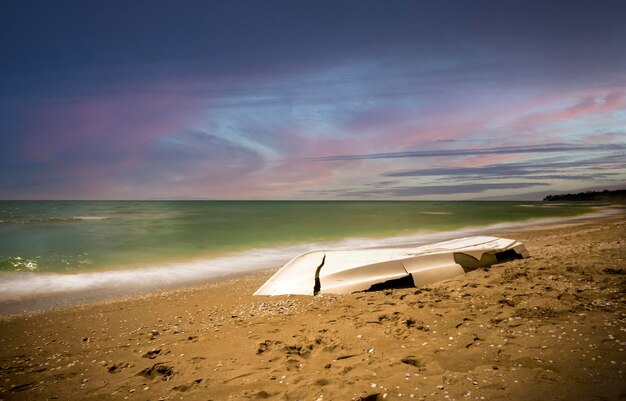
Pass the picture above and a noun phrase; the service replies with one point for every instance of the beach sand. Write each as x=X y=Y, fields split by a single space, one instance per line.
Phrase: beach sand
x=551 y=327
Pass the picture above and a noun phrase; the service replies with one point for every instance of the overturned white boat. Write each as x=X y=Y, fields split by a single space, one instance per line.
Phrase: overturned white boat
x=343 y=272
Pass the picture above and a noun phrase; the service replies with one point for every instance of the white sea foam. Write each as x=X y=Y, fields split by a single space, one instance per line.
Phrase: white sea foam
x=16 y=286
x=23 y=291
x=90 y=217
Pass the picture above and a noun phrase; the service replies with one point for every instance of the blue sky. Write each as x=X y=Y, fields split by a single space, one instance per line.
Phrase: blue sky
x=311 y=100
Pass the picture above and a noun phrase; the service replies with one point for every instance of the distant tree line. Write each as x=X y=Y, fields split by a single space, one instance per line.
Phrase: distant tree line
x=606 y=195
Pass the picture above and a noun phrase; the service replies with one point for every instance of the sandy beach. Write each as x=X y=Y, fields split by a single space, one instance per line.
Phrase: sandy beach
x=551 y=327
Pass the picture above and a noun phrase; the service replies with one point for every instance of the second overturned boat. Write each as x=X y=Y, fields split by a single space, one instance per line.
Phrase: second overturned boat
x=343 y=272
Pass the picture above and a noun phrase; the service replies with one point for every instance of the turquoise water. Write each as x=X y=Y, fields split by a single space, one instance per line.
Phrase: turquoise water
x=76 y=236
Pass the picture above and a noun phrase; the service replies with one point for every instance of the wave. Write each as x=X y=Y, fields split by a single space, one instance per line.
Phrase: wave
x=18 y=288
x=49 y=219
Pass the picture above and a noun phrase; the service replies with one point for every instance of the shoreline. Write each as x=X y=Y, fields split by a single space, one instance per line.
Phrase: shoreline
x=546 y=327
x=22 y=293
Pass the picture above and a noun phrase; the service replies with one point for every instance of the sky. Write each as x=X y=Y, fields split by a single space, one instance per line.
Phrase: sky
x=450 y=100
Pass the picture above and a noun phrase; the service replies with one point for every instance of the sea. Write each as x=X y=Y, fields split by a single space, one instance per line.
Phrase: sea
x=53 y=252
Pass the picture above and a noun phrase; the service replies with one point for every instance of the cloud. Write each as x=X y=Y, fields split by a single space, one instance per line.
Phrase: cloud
x=548 y=148
x=588 y=105
x=425 y=190
x=194 y=157
x=198 y=146
x=577 y=170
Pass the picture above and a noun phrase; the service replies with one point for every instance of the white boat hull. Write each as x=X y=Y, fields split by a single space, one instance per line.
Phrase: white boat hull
x=343 y=272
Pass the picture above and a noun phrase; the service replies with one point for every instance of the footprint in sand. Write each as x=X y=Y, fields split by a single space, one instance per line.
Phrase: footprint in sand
x=118 y=367
x=188 y=386
x=158 y=371
x=152 y=353
x=413 y=361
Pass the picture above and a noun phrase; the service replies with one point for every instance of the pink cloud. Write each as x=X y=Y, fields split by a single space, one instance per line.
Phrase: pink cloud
x=112 y=121
x=586 y=106
x=506 y=123
x=605 y=138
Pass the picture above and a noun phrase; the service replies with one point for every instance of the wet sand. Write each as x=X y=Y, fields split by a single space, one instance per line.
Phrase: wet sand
x=549 y=327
